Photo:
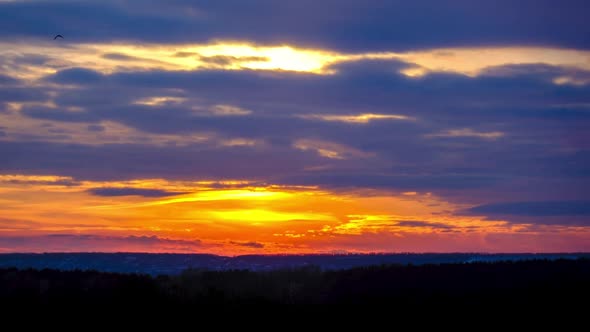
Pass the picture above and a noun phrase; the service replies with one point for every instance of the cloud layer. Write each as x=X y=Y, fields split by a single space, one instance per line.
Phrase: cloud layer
x=482 y=108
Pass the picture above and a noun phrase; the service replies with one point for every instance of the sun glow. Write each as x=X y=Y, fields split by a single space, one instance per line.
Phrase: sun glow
x=260 y=216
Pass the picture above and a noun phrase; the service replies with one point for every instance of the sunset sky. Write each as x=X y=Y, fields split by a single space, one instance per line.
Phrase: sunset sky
x=310 y=126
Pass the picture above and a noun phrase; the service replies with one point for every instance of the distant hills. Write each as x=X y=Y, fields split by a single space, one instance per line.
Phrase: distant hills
x=173 y=264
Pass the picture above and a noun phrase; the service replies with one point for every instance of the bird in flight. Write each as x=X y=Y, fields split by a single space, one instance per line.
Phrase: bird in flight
x=58 y=36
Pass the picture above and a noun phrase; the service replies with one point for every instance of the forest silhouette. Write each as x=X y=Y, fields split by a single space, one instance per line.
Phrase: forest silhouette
x=531 y=284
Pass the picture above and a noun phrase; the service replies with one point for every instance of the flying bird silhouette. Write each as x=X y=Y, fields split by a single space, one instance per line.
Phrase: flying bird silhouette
x=58 y=36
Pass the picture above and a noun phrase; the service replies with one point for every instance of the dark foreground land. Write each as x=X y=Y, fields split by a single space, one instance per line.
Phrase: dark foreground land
x=545 y=285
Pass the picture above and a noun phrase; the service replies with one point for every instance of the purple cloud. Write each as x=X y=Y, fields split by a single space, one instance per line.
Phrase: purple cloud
x=96 y=243
x=535 y=209
x=250 y=244
x=110 y=192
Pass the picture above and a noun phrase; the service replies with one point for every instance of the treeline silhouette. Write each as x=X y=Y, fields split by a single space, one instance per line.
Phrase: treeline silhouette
x=530 y=284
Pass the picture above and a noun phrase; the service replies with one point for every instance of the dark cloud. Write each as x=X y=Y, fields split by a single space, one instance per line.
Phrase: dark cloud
x=124 y=161
x=250 y=244
x=96 y=128
x=22 y=94
x=118 y=56
x=133 y=192
x=158 y=240
x=85 y=22
x=58 y=114
x=186 y=54
x=91 y=242
x=62 y=182
x=31 y=59
x=8 y=80
x=221 y=60
x=149 y=240
x=78 y=76
x=535 y=209
x=359 y=24
x=401 y=182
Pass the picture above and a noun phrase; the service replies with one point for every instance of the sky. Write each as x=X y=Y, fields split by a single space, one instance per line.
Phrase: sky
x=268 y=126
